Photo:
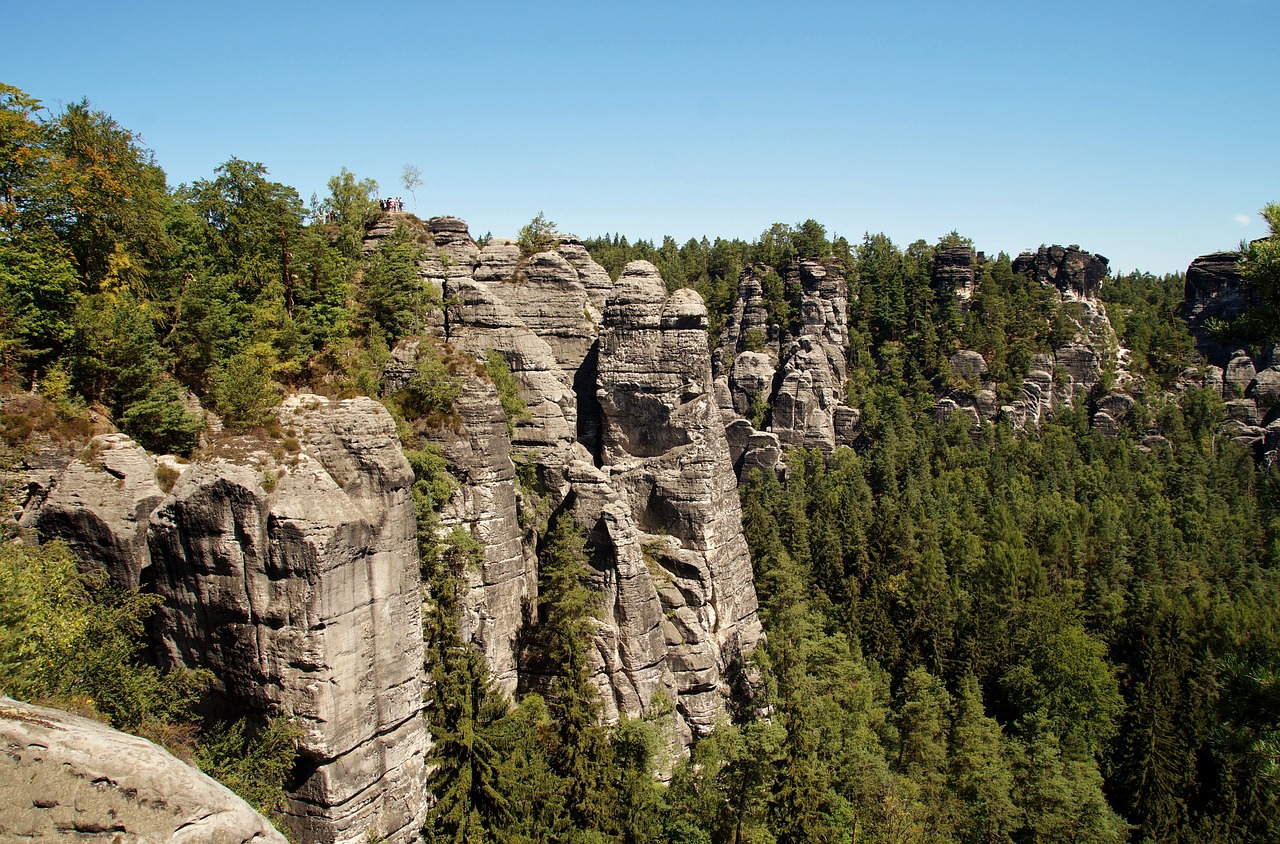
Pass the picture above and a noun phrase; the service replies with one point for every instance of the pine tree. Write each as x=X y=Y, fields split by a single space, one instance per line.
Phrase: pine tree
x=580 y=754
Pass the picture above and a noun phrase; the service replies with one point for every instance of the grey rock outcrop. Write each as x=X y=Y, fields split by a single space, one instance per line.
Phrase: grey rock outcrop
x=664 y=441
x=797 y=371
x=954 y=272
x=295 y=580
x=1244 y=373
x=1238 y=374
x=624 y=431
x=969 y=366
x=68 y=778
x=1068 y=268
x=1265 y=387
x=100 y=504
x=751 y=382
x=1213 y=290
x=486 y=505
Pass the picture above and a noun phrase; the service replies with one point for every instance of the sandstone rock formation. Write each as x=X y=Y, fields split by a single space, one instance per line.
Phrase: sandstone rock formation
x=68 y=778
x=1073 y=271
x=290 y=570
x=624 y=432
x=664 y=441
x=100 y=505
x=1213 y=290
x=294 y=578
x=796 y=372
x=954 y=273
x=1071 y=373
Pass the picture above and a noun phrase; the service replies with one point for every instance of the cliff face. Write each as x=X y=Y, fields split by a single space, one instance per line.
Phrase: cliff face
x=623 y=433
x=294 y=577
x=685 y=585
x=1067 y=375
x=290 y=570
x=1246 y=375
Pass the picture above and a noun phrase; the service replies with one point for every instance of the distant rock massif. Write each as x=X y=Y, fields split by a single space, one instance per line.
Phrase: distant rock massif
x=289 y=567
x=1247 y=376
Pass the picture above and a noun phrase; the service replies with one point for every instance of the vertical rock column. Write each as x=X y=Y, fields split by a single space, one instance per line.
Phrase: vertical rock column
x=294 y=578
x=665 y=449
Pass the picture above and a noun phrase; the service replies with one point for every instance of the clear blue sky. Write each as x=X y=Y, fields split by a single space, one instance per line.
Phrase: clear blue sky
x=1148 y=132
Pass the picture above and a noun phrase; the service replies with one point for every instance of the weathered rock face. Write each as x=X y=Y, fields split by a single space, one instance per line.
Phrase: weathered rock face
x=296 y=581
x=486 y=506
x=955 y=272
x=624 y=430
x=798 y=371
x=1070 y=269
x=100 y=505
x=1213 y=290
x=71 y=779
x=664 y=441
x=968 y=365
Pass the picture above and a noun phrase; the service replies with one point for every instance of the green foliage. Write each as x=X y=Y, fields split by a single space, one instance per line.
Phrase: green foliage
x=538 y=235
x=160 y=421
x=1260 y=270
x=513 y=404
x=71 y=639
x=39 y=291
x=1068 y=598
x=244 y=393
x=778 y=299
x=253 y=762
x=351 y=206
x=392 y=291
x=1145 y=311
x=433 y=389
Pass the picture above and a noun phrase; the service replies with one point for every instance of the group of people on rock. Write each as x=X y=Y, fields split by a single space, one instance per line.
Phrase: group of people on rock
x=392 y=203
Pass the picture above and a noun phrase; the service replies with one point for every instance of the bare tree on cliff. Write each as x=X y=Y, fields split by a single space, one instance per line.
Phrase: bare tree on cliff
x=411 y=178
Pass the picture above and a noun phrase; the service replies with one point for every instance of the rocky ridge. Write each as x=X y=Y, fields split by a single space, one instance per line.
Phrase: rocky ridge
x=1069 y=375
x=622 y=433
x=784 y=385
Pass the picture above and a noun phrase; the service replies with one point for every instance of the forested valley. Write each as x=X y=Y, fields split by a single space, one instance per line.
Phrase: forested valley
x=974 y=633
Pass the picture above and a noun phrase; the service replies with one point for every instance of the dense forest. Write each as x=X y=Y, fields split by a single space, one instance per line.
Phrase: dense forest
x=974 y=635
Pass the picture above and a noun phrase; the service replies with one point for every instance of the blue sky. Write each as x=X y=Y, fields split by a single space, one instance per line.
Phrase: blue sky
x=1147 y=132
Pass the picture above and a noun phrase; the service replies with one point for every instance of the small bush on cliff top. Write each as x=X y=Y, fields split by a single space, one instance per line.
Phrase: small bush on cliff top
x=537 y=236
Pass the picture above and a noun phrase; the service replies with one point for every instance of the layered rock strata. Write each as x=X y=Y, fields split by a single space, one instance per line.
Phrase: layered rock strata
x=621 y=431
x=664 y=442
x=954 y=273
x=100 y=504
x=290 y=570
x=293 y=576
x=68 y=778
x=786 y=382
